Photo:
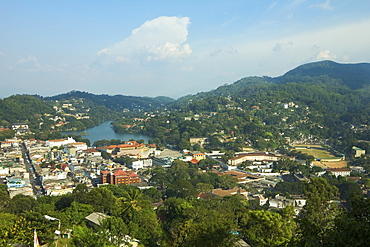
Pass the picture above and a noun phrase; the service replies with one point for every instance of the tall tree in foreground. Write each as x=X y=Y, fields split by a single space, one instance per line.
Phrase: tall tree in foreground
x=265 y=228
x=318 y=216
x=352 y=228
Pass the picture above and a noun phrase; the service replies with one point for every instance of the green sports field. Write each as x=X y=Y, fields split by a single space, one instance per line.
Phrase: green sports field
x=316 y=151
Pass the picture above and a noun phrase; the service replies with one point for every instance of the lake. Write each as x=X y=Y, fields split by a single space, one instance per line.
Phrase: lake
x=105 y=131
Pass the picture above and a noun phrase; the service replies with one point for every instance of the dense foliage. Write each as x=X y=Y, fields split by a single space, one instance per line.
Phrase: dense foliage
x=183 y=220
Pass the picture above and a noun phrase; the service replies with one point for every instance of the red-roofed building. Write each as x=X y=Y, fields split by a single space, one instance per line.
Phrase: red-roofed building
x=194 y=161
x=119 y=176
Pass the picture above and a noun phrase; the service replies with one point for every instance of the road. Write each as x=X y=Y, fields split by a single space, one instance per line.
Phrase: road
x=35 y=180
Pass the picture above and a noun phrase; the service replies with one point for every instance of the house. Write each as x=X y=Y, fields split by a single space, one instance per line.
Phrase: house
x=358 y=151
x=199 y=156
x=6 y=144
x=19 y=126
x=91 y=152
x=78 y=145
x=221 y=193
x=95 y=219
x=198 y=140
x=281 y=202
x=261 y=200
x=344 y=172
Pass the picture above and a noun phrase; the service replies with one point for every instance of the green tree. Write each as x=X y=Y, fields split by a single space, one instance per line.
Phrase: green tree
x=317 y=217
x=21 y=203
x=77 y=212
x=181 y=188
x=352 y=227
x=265 y=228
x=6 y=222
x=4 y=196
x=83 y=236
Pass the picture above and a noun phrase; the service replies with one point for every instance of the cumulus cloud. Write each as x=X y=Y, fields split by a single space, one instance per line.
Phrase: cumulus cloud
x=325 y=6
x=160 y=39
x=279 y=46
x=29 y=63
x=325 y=54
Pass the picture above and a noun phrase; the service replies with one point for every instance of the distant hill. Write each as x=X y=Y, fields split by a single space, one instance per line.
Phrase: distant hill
x=115 y=102
x=327 y=74
x=354 y=76
x=38 y=111
x=324 y=82
x=22 y=108
x=329 y=87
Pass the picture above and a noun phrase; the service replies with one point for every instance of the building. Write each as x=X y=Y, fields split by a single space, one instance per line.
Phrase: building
x=199 y=156
x=140 y=164
x=221 y=193
x=261 y=156
x=358 y=151
x=198 y=140
x=60 y=142
x=344 y=172
x=20 y=128
x=119 y=176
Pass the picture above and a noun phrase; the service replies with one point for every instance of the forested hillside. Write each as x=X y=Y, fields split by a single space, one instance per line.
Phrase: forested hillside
x=115 y=102
x=318 y=99
x=71 y=111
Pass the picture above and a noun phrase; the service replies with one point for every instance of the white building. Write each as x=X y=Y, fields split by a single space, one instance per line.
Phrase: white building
x=60 y=142
x=140 y=164
x=344 y=172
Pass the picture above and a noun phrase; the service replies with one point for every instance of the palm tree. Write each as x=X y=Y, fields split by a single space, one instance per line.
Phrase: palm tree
x=130 y=203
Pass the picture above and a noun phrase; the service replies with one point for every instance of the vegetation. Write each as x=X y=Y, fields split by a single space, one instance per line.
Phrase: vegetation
x=183 y=220
x=322 y=102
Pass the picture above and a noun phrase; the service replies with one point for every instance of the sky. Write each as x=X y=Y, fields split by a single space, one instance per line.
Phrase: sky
x=170 y=48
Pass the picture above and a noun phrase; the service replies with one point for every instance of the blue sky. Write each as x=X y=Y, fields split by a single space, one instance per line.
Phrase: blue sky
x=170 y=48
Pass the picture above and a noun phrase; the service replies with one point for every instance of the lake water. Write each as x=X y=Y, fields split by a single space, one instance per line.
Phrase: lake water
x=105 y=131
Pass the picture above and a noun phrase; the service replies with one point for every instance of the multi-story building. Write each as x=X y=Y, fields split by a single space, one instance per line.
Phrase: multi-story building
x=119 y=176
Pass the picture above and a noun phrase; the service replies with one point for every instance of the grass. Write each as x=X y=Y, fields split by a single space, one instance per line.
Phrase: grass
x=319 y=152
x=62 y=243
x=316 y=151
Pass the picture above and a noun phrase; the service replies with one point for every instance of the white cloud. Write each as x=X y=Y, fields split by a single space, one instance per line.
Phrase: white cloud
x=121 y=59
x=219 y=51
x=279 y=46
x=325 y=54
x=160 y=39
x=2 y=54
x=325 y=6
x=29 y=63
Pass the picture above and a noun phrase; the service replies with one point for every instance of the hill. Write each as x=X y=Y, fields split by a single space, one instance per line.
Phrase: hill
x=354 y=76
x=336 y=87
x=115 y=102
x=70 y=111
